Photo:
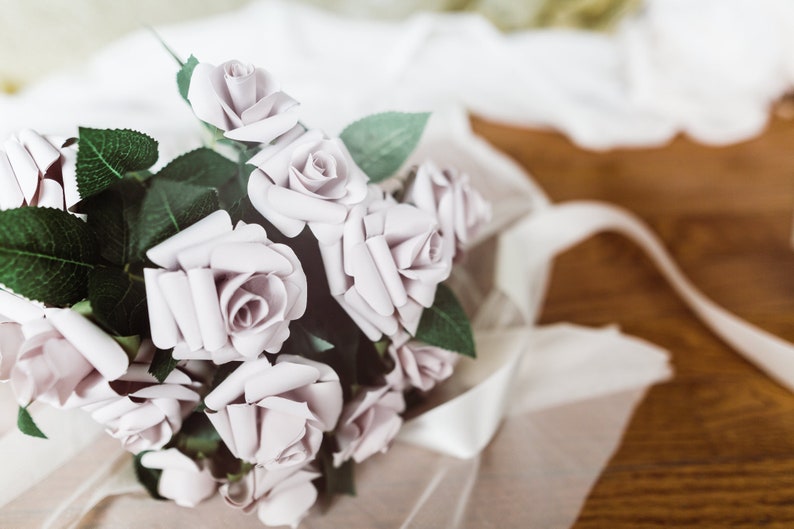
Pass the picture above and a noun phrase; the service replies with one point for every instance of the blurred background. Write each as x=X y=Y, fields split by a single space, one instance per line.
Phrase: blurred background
x=647 y=87
x=38 y=37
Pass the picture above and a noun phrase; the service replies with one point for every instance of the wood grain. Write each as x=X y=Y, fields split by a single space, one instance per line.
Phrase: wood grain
x=714 y=447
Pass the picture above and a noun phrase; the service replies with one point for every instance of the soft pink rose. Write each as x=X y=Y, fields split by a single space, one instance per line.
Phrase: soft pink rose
x=275 y=415
x=58 y=353
x=244 y=102
x=223 y=289
x=312 y=179
x=418 y=364
x=447 y=194
x=282 y=497
x=183 y=480
x=37 y=171
x=386 y=267
x=369 y=423
x=136 y=409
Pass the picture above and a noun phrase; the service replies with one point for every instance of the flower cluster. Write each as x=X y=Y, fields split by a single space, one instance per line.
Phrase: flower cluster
x=247 y=327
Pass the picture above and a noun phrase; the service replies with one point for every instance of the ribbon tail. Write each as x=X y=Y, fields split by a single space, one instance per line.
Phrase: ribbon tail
x=557 y=228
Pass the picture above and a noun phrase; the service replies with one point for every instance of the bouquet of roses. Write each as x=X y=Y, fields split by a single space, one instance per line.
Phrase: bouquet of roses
x=251 y=318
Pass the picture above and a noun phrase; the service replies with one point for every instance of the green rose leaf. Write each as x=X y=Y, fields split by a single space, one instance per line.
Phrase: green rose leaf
x=338 y=480
x=168 y=208
x=206 y=168
x=46 y=254
x=105 y=155
x=381 y=143
x=184 y=74
x=197 y=438
x=111 y=214
x=201 y=167
x=118 y=301
x=162 y=364
x=445 y=324
x=27 y=426
x=148 y=477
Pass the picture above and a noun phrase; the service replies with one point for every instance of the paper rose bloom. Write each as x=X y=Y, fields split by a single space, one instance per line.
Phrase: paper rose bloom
x=183 y=480
x=418 y=364
x=369 y=424
x=244 y=102
x=385 y=269
x=138 y=410
x=281 y=497
x=275 y=415
x=58 y=353
x=221 y=287
x=447 y=194
x=311 y=180
x=37 y=171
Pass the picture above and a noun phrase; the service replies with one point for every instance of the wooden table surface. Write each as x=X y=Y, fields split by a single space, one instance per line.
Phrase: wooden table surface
x=714 y=447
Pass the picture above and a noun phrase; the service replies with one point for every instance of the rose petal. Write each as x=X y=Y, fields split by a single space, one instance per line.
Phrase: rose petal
x=305 y=208
x=104 y=353
x=241 y=84
x=283 y=435
x=264 y=131
x=202 y=97
x=211 y=226
x=165 y=333
x=10 y=193
x=24 y=167
x=258 y=185
x=233 y=386
x=175 y=288
x=245 y=258
x=372 y=324
x=288 y=507
x=280 y=378
x=276 y=103
x=243 y=424
x=338 y=281
x=387 y=270
x=369 y=284
x=18 y=309
x=274 y=160
x=198 y=255
x=208 y=313
x=42 y=151
x=167 y=391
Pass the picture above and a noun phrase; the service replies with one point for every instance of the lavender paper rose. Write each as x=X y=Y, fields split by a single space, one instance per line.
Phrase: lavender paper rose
x=244 y=102
x=183 y=480
x=275 y=415
x=418 y=364
x=312 y=180
x=59 y=352
x=137 y=409
x=281 y=497
x=447 y=194
x=37 y=171
x=369 y=424
x=386 y=267
x=223 y=294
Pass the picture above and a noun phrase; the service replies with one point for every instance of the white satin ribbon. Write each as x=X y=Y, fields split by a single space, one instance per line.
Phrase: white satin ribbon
x=563 y=226
x=464 y=425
